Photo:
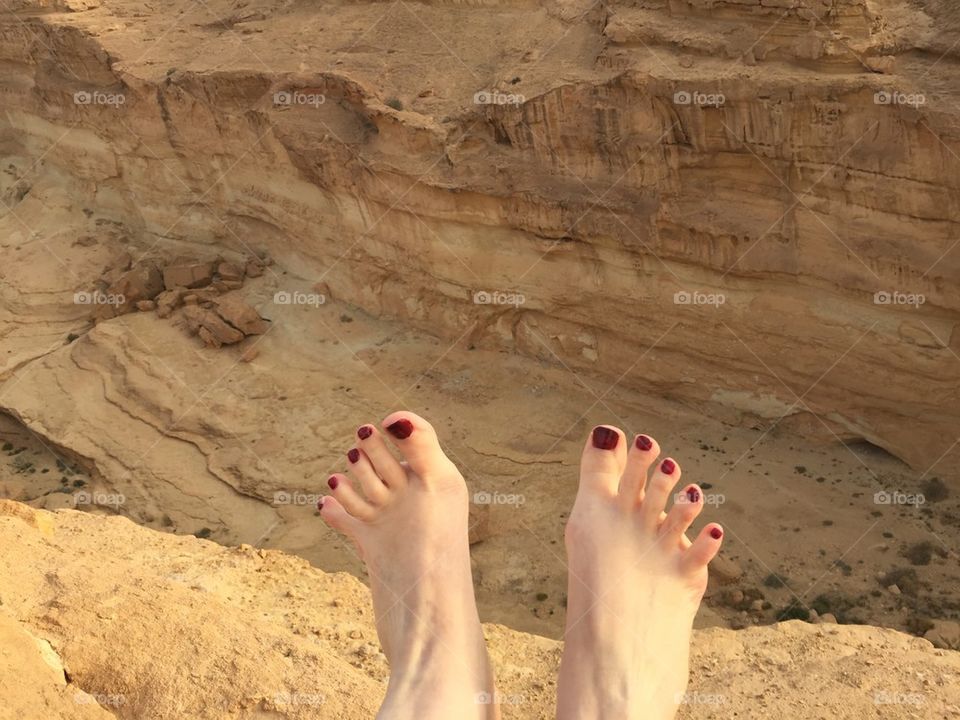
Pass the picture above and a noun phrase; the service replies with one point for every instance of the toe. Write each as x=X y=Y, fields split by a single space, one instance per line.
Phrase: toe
x=362 y=469
x=661 y=484
x=417 y=441
x=642 y=454
x=687 y=504
x=370 y=441
x=603 y=460
x=704 y=548
x=336 y=516
x=351 y=501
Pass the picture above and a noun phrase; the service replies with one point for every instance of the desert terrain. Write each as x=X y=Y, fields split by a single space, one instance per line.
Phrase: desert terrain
x=231 y=232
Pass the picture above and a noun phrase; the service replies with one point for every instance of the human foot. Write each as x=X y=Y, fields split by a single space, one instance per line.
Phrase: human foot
x=635 y=583
x=410 y=527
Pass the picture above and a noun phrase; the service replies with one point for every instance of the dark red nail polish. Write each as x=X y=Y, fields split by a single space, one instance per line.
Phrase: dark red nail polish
x=716 y=533
x=320 y=504
x=401 y=429
x=364 y=431
x=333 y=482
x=668 y=466
x=693 y=495
x=605 y=438
x=644 y=443
x=353 y=455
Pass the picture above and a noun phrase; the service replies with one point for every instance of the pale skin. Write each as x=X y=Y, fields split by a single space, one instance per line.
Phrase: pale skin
x=635 y=579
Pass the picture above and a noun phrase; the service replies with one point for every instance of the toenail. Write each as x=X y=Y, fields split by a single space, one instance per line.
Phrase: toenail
x=693 y=495
x=320 y=504
x=668 y=466
x=644 y=443
x=333 y=482
x=605 y=438
x=716 y=533
x=401 y=429
x=364 y=431
x=353 y=455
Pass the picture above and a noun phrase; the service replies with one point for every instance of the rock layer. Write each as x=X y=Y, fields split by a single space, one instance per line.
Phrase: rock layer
x=750 y=208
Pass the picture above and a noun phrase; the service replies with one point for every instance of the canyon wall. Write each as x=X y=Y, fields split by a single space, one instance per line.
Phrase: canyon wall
x=749 y=208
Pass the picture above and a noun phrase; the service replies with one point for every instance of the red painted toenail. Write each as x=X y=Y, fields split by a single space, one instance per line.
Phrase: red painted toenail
x=716 y=533
x=668 y=466
x=364 y=431
x=693 y=495
x=644 y=443
x=333 y=482
x=320 y=504
x=605 y=438
x=401 y=429
x=353 y=455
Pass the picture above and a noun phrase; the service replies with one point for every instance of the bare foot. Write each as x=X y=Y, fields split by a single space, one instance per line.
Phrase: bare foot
x=410 y=527
x=635 y=583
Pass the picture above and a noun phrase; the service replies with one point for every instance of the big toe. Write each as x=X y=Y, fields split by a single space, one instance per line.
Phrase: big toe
x=603 y=460
x=417 y=441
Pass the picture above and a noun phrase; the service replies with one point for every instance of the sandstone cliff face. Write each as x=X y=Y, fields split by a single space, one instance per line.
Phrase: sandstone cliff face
x=790 y=160
x=109 y=619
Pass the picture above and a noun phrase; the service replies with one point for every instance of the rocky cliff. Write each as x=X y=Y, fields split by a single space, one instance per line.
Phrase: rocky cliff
x=750 y=208
x=110 y=620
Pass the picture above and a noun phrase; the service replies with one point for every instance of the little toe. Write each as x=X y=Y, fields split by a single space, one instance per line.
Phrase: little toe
x=687 y=504
x=417 y=441
x=704 y=548
x=659 y=487
x=642 y=454
x=336 y=516
x=370 y=441
x=361 y=468
x=604 y=457
x=349 y=498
